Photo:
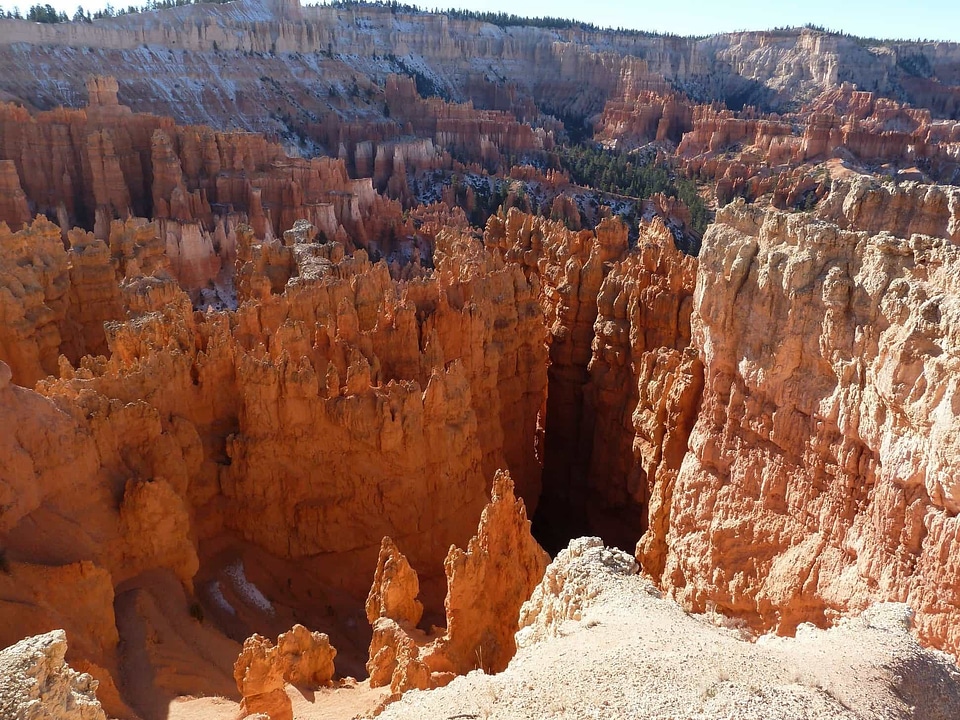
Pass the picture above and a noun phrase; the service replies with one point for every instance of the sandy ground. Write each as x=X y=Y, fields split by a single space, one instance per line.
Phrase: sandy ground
x=348 y=701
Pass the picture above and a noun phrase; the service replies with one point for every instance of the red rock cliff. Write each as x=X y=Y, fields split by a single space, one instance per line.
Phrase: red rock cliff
x=823 y=455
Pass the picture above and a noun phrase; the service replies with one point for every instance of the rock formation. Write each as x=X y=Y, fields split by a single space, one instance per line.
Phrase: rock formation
x=481 y=135
x=300 y=658
x=94 y=165
x=580 y=573
x=618 y=318
x=34 y=300
x=486 y=585
x=823 y=452
x=570 y=267
x=37 y=683
x=345 y=81
x=395 y=588
x=902 y=210
x=593 y=621
x=750 y=154
x=260 y=681
x=125 y=464
x=234 y=361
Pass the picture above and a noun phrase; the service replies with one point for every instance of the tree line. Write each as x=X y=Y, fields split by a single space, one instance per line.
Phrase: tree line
x=501 y=19
x=49 y=14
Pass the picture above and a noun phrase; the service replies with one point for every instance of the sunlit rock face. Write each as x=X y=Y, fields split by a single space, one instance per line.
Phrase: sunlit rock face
x=821 y=465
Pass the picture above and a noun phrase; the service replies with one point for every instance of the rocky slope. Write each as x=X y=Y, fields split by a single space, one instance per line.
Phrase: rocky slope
x=824 y=452
x=300 y=658
x=598 y=641
x=181 y=427
x=785 y=63
x=486 y=585
x=804 y=362
x=222 y=64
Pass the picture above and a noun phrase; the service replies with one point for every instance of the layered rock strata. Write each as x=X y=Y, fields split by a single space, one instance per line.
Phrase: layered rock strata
x=87 y=167
x=752 y=154
x=571 y=72
x=623 y=383
x=778 y=417
x=120 y=469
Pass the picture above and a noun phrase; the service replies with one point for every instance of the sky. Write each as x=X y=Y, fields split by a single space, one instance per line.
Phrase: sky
x=928 y=19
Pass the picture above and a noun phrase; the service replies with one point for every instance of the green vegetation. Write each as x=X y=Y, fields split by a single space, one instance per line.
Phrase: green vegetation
x=500 y=19
x=782 y=31
x=196 y=612
x=625 y=174
x=392 y=5
x=48 y=14
x=488 y=195
x=505 y=20
x=37 y=13
x=807 y=201
x=918 y=65
x=866 y=41
x=45 y=14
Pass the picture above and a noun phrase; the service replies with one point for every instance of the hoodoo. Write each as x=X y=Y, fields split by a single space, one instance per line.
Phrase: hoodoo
x=357 y=359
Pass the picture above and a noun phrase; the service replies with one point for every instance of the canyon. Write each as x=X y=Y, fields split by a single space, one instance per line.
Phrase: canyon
x=329 y=388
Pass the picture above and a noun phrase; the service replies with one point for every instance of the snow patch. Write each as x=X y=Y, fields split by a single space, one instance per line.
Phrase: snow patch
x=216 y=594
x=246 y=589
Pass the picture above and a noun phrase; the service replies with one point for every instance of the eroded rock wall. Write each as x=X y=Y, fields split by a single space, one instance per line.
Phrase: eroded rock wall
x=571 y=72
x=623 y=385
x=821 y=468
x=336 y=401
x=88 y=167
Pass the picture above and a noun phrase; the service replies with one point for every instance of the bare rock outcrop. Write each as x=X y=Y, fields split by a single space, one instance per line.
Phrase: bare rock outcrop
x=481 y=135
x=306 y=657
x=594 y=621
x=395 y=588
x=260 y=680
x=243 y=353
x=624 y=382
x=300 y=657
x=155 y=527
x=37 y=684
x=56 y=301
x=486 y=585
x=95 y=165
x=121 y=467
x=569 y=267
x=574 y=580
x=824 y=455
x=902 y=210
